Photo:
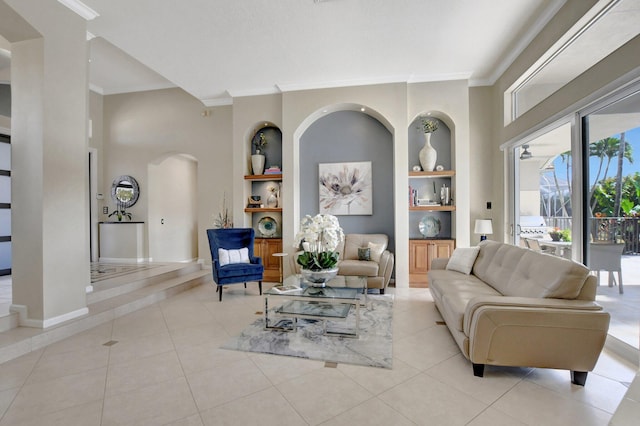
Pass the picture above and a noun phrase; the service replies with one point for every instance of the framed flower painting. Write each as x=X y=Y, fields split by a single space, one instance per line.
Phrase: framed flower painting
x=345 y=188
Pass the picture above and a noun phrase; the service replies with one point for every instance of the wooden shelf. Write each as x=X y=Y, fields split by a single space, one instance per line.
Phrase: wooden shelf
x=433 y=208
x=262 y=209
x=444 y=173
x=264 y=177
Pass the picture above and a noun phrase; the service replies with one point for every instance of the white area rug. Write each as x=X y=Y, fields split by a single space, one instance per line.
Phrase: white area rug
x=373 y=348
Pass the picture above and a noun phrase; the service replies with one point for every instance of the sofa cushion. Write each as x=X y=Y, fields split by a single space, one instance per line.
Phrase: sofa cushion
x=455 y=290
x=365 y=268
x=462 y=259
x=496 y=262
x=543 y=275
x=364 y=253
x=376 y=250
x=352 y=242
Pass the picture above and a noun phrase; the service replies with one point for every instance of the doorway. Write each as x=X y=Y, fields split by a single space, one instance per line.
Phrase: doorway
x=172 y=209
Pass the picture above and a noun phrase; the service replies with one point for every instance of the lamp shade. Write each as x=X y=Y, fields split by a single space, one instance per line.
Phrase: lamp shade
x=483 y=226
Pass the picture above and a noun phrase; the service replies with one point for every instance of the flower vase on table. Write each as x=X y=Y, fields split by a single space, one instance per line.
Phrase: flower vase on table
x=319 y=236
x=318 y=278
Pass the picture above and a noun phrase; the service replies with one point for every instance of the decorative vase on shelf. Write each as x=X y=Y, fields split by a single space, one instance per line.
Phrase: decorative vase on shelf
x=257 y=163
x=272 y=200
x=428 y=154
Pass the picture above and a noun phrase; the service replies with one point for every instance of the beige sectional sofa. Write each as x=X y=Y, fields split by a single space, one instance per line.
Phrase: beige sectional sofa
x=517 y=307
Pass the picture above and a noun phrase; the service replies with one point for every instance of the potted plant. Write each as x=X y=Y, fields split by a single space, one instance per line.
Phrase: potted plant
x=120 y=213
x=258 y=159
x=319 y=236
x=555 y=234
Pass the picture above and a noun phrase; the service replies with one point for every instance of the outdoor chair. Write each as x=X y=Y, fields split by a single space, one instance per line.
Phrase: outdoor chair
x=233 y=261
x=607 y=257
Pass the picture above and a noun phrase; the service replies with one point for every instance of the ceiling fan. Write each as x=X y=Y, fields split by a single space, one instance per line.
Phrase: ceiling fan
x=525 y=154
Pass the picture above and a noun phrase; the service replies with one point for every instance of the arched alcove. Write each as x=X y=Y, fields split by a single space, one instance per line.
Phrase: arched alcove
x=172 y=208
x=347 y=136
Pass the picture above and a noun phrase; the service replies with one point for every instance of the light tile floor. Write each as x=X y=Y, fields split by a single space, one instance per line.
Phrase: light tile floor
x=163 y=366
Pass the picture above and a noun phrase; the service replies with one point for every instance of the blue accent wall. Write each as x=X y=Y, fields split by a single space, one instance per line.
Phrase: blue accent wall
x=350 y=136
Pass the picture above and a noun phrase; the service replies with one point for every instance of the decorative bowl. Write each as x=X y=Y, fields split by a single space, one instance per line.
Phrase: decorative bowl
x=318 y=278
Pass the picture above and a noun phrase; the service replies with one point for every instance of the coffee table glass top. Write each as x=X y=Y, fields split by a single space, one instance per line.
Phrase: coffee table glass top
x=340 y=287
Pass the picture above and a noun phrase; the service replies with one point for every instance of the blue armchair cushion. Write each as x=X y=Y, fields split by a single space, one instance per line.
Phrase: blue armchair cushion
x=233 y=256
x=247 y=271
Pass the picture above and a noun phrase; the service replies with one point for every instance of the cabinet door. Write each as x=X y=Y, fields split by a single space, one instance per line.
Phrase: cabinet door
x=265 y=248
x=418 y=261
x=421 y=253
x=440 y=248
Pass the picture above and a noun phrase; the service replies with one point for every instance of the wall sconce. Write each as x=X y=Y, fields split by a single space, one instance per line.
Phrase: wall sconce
x=484 y=228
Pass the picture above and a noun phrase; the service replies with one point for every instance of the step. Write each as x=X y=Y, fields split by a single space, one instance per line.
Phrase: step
x=117 y=286
x=9 y=321
x=22 y=340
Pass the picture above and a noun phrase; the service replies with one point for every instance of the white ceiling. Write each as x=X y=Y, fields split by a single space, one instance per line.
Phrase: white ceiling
x=217 y=50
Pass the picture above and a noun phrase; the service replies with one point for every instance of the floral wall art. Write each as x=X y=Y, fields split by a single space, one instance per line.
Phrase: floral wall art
x=345 y=188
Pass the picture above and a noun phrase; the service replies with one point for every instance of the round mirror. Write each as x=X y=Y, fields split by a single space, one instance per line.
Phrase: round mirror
x=125 y=191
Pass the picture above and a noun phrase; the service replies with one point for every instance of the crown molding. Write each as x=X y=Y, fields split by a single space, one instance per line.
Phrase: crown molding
x=217 y=102
x=80 y=9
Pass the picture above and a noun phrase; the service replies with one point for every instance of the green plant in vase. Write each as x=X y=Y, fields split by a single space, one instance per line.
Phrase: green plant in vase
x=120 y=213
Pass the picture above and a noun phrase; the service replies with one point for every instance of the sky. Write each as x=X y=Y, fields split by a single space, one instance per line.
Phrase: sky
x=632 y=137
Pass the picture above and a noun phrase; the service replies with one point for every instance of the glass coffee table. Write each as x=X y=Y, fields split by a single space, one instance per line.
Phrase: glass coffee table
x=297 y=299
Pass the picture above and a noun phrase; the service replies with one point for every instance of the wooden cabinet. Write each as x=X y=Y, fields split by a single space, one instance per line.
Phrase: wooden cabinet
x=265 y=248
x=421 y=253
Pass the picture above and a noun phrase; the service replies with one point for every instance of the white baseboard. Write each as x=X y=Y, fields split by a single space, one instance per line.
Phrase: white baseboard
x=88 y=289
x=25 y=321
x=124 y=259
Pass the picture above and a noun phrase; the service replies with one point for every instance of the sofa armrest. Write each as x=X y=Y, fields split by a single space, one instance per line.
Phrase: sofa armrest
x=521 y=334
x=385 y=266
x=516 y=303
x=439 y=263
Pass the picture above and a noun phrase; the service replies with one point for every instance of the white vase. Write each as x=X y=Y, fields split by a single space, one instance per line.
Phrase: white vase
x=272 y=200
x=257 y=164
x=428 y=154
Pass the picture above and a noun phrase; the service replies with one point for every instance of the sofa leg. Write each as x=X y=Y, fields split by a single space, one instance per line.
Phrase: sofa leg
x=478 y=370
x=382 y=291
x=260 y=287
x=579 y=377
x=220 y=293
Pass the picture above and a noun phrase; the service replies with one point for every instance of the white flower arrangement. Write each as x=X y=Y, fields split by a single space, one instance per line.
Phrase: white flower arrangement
x=319 y=236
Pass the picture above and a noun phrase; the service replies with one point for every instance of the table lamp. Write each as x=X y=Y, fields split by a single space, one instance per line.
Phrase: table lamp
x=483 y=227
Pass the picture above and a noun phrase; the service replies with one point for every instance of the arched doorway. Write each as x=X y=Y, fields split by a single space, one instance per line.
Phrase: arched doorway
x=172 y=208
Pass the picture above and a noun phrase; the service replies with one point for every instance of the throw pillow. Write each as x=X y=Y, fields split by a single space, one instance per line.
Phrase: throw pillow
x=462 y=259
x=227 y=257
x=364 y=253
x=376 y=251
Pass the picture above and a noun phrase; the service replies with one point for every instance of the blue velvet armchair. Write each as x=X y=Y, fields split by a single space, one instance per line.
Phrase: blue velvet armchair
x=236 y=265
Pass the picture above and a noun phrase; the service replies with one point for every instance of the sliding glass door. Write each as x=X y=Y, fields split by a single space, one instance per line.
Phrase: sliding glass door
x=611 y=140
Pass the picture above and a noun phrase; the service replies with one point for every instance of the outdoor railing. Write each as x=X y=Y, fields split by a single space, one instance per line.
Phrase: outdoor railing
x=608 y=229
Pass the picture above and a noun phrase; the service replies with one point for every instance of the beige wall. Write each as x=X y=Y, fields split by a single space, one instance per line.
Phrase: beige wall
x=49 y=153
x=482 y=185
x=141 y=127
x=146 y=127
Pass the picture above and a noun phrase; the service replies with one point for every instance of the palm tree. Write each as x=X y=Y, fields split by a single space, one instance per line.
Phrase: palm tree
x=606 y=149
x=622 y=151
